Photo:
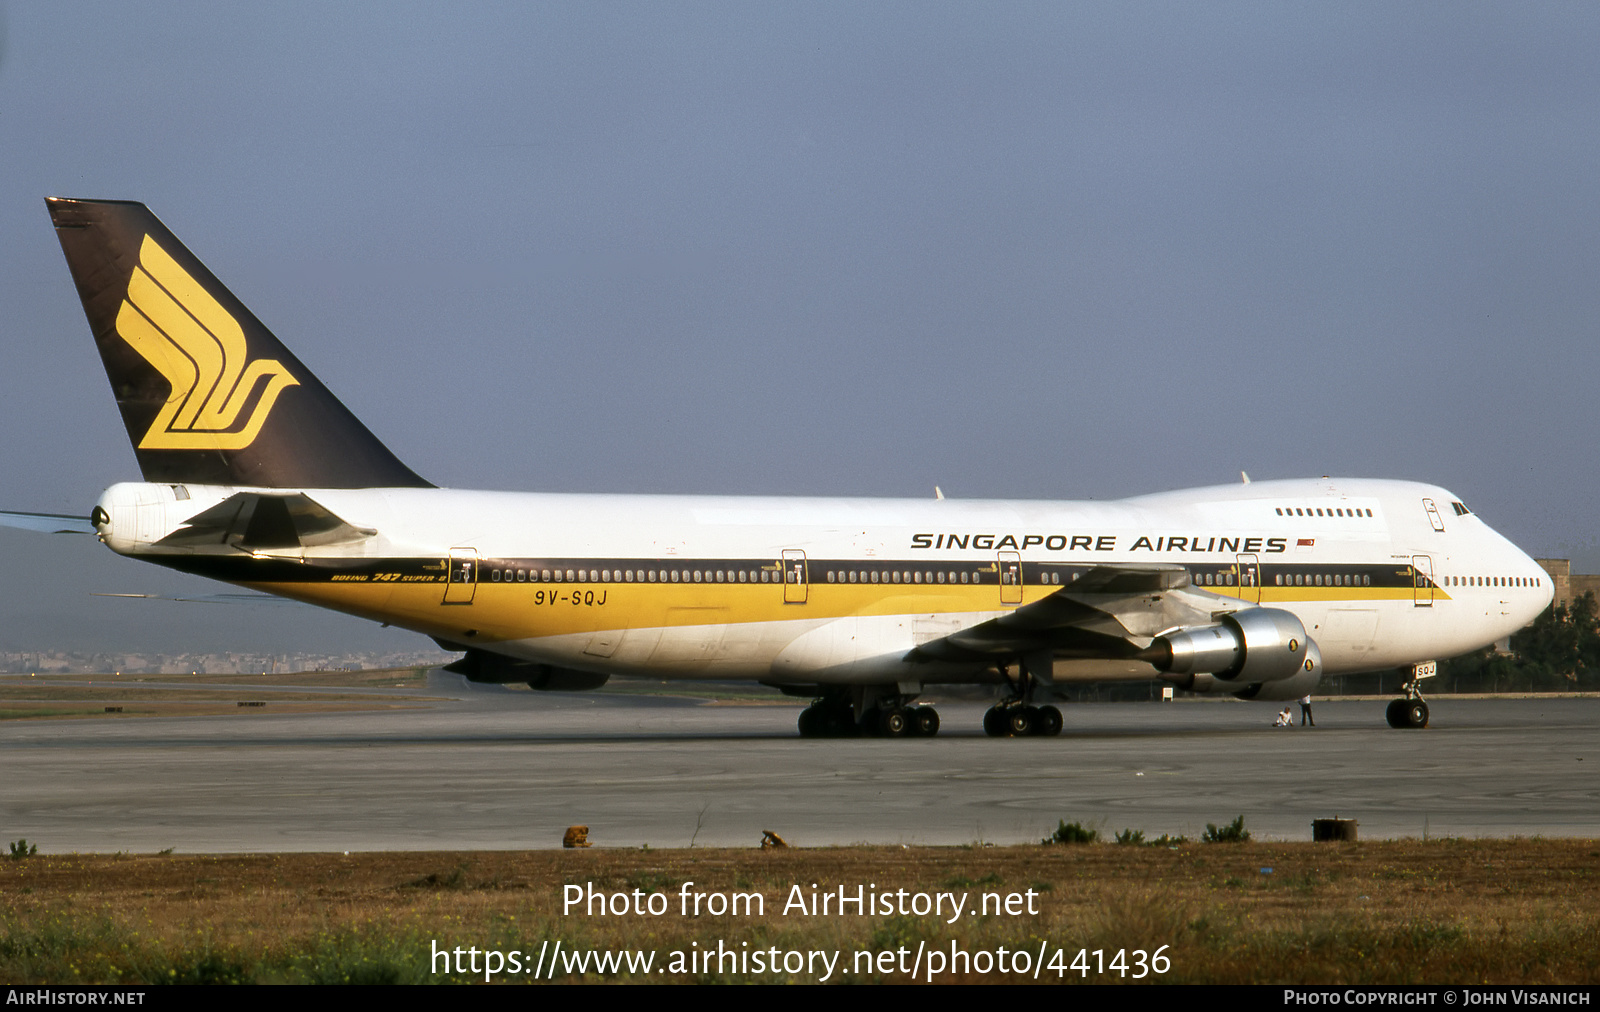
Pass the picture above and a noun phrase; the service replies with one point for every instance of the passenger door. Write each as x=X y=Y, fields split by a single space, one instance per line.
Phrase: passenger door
x=1010 y=578
x=795 y=584
x=1422 y=580
x=461 y=582
x=1250 y=579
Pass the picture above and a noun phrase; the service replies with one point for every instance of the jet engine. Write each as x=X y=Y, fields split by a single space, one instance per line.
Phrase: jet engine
x=1243 y=648
x=1302 y=683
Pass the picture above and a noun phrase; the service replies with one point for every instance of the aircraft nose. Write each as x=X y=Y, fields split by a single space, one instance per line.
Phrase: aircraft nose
x=1544 y=588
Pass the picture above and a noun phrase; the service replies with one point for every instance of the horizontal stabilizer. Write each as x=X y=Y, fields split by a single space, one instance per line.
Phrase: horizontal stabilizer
x=48 y=523
x=225 y=598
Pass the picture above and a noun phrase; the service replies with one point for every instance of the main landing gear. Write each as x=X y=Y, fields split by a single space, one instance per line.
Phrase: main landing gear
x=1412 y=711
x=827 y=718
x=1015 y=719
x=890 y=717
x=1015 y=716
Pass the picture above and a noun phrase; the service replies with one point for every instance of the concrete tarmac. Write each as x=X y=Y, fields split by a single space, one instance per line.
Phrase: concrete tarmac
x=499 y=769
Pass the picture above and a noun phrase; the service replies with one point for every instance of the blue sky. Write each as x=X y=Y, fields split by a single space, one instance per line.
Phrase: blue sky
x=1036 y=251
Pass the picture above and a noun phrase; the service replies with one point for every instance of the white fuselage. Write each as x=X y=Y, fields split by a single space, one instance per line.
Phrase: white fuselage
x=1381 y=573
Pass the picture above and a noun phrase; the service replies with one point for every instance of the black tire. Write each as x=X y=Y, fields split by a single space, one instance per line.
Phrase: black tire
x=1020 y=721
x=994 y=722
x=1416 y=714
x=1396 y=713
x=812 y=723
x=1048 y=724
x=837 y=723
x=894 y=722
x=925 y=719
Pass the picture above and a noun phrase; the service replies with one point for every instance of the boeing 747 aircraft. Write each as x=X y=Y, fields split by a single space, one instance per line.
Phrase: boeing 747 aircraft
x=256 y=475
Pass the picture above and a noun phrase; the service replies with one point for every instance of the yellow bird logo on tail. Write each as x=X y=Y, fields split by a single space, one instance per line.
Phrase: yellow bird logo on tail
x=191 y=340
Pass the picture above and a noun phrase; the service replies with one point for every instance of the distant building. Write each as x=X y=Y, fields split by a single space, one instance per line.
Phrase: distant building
x=1566 y=583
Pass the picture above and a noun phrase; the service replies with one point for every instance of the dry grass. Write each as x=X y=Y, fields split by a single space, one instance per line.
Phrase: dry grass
x=1454 y=911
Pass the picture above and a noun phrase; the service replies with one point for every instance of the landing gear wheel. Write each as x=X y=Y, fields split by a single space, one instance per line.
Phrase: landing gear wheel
x=1416 y=713
x=820 y=720
x=812 y=723
x=1403 y=713
x=1020 y=721
x=994 y=722
x=1048 y=722
x=925 y=721
x=841 y=724
x=1396 y=713
x=894 y=722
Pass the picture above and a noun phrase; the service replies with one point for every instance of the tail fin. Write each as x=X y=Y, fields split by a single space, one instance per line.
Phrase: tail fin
x=208 y=394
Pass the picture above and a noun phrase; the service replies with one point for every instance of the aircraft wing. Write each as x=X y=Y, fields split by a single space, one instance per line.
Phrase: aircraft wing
x=1111 y=612
x=49 y=523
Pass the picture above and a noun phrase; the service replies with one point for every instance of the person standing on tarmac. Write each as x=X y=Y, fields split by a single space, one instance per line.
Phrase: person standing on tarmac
x=1305 y=711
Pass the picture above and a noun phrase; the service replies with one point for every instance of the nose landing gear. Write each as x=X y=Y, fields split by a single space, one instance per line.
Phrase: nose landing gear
x=1407 y=713
x=1412 y=711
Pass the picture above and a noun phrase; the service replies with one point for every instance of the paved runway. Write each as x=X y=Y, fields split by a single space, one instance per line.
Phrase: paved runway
x=511 y=770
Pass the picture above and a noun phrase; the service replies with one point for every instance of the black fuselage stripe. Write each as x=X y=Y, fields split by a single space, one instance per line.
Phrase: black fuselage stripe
x=1223 y=576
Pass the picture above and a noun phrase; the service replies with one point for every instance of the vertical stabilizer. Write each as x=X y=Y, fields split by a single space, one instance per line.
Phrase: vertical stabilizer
x=207 y=393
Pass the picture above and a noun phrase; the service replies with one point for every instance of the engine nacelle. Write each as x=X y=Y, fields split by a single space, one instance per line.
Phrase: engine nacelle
x=498 y=669
x=1244 y=648
x=1302 y=683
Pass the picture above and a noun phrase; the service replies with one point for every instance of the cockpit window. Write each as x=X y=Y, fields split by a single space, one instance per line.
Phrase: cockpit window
x=1460 y=508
